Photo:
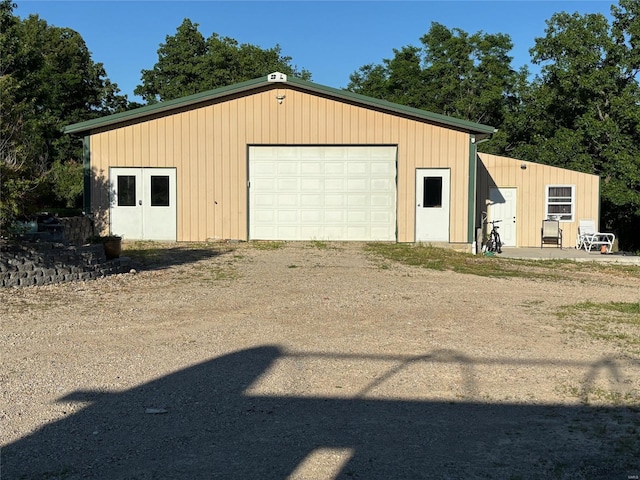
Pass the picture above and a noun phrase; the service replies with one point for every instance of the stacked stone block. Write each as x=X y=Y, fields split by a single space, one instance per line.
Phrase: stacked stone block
x=45 y=263
x=77 y=229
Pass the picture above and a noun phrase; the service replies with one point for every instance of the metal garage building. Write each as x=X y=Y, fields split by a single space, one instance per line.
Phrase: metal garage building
x=280 y=158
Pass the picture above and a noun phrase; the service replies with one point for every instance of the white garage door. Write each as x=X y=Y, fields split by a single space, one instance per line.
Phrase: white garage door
x=322 y=193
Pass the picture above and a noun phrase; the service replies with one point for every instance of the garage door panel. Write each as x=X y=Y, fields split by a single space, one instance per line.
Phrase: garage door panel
x=287 y=216
x=311 y=200
x=381 y=185
x=310 y=184
x=357 y=168
x=311 y=216
x=334 y=168
x=287 y=168
x=287 y=185
x=356 y=200
x=381 y=201
x=334 y=216
x=263 y=200
x=288 y=200
x=335 y=185
x=336 y=152
x=265 y=217
x=335 y=201
x=357 y=184
x=325 y=193
x=311 y=168
x=380 y=218
x=263 y=185
x=355 y=216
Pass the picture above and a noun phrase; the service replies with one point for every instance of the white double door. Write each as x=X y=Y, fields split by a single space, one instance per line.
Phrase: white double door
x=143 y=203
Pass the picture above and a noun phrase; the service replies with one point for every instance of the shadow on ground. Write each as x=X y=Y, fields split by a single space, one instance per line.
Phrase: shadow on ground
x=203 y=425
x=159 y=257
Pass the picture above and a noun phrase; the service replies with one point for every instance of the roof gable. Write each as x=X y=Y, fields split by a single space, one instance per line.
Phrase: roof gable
x=267 y=82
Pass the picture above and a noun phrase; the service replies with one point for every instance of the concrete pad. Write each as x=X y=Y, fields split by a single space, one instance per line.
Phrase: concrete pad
x=554 y=253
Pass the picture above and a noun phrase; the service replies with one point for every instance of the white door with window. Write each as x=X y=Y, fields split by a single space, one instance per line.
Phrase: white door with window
x=432 y=204
x=143 y=203
x=503 y=207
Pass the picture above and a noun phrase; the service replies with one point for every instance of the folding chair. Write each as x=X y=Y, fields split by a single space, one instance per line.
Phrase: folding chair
x=551 y=233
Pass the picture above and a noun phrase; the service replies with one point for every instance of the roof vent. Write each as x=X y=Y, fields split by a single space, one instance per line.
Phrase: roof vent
x=276 y=77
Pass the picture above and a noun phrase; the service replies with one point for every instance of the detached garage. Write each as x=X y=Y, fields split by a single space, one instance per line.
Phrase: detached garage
x=280 y=158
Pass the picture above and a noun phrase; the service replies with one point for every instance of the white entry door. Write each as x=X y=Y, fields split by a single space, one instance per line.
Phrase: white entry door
x=432 y=204
x=143 y=203
x=503 y=207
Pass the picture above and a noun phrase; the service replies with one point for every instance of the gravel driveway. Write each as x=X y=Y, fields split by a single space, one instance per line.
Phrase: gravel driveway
x=313 y=361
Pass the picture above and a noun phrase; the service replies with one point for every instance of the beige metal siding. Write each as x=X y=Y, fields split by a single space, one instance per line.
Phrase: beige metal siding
x=531 y=184
x=208 y=146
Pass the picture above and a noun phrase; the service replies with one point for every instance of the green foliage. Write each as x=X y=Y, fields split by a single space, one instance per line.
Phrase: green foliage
x=66 y=181
x=582 y=112
x=188 y=63
x=452 y=73
x=47 y=80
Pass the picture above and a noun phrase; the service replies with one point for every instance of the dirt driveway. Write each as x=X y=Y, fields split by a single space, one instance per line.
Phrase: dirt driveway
x=314 y=361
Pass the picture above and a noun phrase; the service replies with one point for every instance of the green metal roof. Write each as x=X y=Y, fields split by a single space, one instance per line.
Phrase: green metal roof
x=168 y=106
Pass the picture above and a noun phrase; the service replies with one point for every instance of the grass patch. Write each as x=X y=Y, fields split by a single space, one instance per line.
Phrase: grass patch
x=437 y=258
x=443 y=259
x=319 y=244
x=617 y=323
x=260 y=245
x=215 y=273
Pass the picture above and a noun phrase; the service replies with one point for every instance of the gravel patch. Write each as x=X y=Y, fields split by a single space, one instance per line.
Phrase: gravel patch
x=312 y=361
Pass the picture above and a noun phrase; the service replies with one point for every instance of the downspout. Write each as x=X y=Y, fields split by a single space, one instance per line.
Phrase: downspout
x=86 y=175
x=473 y=173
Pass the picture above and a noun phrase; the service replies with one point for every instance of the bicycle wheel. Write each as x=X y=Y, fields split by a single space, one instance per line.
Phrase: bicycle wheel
x=491 y=246
x=498 y=243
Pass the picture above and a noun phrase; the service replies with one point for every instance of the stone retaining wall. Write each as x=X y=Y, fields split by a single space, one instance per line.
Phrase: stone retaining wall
x=77 y=229
x=45 y=263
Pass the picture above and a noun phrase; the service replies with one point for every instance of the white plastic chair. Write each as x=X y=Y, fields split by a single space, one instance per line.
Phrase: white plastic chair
x=589 y=237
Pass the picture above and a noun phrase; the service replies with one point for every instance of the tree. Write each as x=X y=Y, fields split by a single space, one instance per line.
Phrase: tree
x=47 y=80
x=583 y=111
x=452 y=73
x=188 y=64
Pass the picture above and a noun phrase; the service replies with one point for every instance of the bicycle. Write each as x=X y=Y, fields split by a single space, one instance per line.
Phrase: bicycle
x=493 y=243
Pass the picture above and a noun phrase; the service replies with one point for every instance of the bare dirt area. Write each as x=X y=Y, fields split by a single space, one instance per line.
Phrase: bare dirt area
x=306 y=360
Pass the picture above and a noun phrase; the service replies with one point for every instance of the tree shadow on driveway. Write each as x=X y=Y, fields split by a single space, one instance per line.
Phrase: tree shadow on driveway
x=199 y=423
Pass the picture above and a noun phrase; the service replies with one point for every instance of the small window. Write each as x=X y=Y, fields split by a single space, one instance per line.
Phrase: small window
x=159 y=191
x=560 y=202
x=126 y=190
x=432 y=192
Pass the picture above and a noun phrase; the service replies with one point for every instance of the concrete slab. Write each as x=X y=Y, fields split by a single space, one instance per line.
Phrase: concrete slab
x=553 y=253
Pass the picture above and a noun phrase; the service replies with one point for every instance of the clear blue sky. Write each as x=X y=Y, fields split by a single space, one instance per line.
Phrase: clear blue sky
x=331 y=39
